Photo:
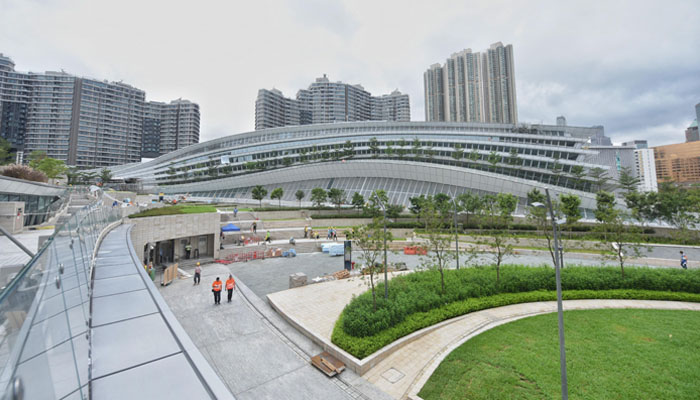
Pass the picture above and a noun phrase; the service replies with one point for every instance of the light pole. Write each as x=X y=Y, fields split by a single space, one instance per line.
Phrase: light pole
x=456 y=235
x=386 y=267
x=560 y=310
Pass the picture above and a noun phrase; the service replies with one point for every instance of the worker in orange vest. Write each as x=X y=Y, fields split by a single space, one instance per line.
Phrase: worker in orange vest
x=230 y=286
x=216 y=289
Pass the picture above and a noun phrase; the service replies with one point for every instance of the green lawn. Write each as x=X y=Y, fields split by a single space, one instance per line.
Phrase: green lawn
x=174 y=210
x=611 y=354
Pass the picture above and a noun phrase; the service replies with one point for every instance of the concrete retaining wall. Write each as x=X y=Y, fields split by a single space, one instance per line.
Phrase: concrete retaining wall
x=156 y=229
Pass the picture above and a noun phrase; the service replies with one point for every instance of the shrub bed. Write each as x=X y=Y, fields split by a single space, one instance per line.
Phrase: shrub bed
x=174 y=210
x=415 y=301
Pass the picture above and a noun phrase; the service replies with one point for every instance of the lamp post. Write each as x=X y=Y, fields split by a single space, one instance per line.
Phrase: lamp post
x=386 y=267
x=455 y=229
x=560 y=310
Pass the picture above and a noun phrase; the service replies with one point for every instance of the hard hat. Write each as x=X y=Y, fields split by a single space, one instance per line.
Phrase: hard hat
x=197 y=263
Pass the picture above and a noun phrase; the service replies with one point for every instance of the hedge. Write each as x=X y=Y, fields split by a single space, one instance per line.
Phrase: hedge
x=362 y=347
x=416 y=302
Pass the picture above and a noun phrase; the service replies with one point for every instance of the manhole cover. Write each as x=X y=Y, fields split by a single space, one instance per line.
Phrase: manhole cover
x=393 y=375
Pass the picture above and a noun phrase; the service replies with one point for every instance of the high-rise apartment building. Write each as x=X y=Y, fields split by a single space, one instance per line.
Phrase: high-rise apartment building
x=169 y=126
x=473 y=87
x=646 y=169
x=85 y=122
x=272 y=109
x=390 y=107
x=327 y=102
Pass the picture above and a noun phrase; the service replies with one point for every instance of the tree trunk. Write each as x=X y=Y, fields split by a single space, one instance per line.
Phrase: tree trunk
x=374 y=295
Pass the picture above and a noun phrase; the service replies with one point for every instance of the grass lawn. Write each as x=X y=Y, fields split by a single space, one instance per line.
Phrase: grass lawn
x=611 y=354
x=174 y=210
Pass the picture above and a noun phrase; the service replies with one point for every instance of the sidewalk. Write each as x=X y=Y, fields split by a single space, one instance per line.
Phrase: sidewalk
x=253 y=355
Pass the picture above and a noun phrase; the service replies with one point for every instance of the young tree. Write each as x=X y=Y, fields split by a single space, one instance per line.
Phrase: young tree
x=570 y=206
x=35 y=157
x=105 y=175
x=6 y=154
x=679 y=207
x=373 y=208
x=72 y=176
x=443 y=204
x=458 y=152
x=259 y=193
x=627 y=181
x=394 y=210
x=348 y=149
x=437 y=244
x=416 y=148
x=514 y=157
x=600 y=179
x=469 y=203
x=318 y=196
x=358 y=201
x=370 y=240
x=499 y=209
x=300 y=196
x=493 y=159
x=578 y=173
x=474 y=156
x=374 y=147
x=277 y=194
x=624 y=239
x=337 y=197
x=52 y=167
x=417 y=204
x=643 y=206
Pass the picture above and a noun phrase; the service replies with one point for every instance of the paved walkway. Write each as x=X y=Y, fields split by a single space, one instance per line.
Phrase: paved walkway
x=13 y=255
x=257 y=355
x=406 y=369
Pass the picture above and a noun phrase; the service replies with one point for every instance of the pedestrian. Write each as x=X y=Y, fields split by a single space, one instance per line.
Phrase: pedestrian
x=230 y=286
x=329 y=234
x=684 y=261
x=335 y=234
x=197 y=274
x=216 y=289
x=188 y=250
x=235 y=211
x=255 y=227
x=267 y=237
x=306 y=231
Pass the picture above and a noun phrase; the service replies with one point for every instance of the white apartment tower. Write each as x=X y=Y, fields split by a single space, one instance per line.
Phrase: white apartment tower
x=328 y=102
x=646 y=170
x=473 y=87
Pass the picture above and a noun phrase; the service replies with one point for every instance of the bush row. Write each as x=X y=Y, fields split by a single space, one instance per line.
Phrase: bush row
x=362 y=347
x=174 y=210
x=421 y=292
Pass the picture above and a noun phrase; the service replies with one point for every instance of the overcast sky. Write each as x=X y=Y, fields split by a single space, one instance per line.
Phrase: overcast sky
x=632 y=66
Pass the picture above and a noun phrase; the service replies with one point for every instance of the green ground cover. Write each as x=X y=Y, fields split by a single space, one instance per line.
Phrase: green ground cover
x=416 y=300
x=174 y=210
x=611 y=354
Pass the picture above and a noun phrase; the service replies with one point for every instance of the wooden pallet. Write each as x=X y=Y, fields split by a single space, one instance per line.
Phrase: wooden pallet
x=328 y=364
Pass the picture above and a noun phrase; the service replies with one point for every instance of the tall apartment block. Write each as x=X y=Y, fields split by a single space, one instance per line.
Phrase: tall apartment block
x=85 y=122
x=169 y=126
x=646 y=169
x=473 y=87
x=327 y=102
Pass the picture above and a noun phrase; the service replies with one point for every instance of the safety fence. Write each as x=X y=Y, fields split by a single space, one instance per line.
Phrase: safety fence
x=45 y=312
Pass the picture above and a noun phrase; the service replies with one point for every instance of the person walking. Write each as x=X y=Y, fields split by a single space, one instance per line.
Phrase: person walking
x=188 y=250
x=254 y=227
x=268 y=239
x=306 y=231
x=235 y=211
x=684 y=261
x=216 y=289
x=197 y=274
x=230 y=286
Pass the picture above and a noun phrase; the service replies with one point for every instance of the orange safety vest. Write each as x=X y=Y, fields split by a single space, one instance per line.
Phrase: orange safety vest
x=230 y=283
x=216 y=286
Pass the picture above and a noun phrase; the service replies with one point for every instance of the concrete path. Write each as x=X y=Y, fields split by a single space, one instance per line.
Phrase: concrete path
x=252 y=349
x=404 y=371
x=13 y=255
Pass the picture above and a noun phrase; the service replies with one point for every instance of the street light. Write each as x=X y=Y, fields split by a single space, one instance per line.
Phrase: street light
x=560 y=311
x=455 y=229
x=386 y=267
